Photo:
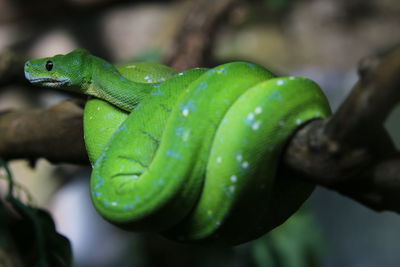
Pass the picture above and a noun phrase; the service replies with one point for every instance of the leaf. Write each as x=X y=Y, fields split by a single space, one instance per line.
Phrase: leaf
x=34 y=233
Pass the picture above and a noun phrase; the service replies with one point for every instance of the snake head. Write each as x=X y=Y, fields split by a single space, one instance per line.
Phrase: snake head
x=65 y=72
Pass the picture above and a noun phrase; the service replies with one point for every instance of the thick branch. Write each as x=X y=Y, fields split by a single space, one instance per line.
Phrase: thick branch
x=55 y=133
x=360 y=117
x=351 y=152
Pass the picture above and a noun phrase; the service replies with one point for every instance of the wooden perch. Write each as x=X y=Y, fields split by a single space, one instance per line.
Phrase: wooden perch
x=351 y=151
x=55 y=133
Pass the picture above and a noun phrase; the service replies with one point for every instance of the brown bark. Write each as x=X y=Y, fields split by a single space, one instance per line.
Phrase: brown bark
x=55 y=133
x=192 y=45
x=351 y=151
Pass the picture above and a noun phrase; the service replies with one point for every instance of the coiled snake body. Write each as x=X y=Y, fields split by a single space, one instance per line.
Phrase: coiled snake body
x=192 y=155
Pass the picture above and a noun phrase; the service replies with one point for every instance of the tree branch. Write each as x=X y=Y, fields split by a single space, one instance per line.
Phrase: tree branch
x=351 y=151
x=55 y=133
x=193 y=43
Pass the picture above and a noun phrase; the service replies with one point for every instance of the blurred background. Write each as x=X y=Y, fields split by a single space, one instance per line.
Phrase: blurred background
x=319 y=39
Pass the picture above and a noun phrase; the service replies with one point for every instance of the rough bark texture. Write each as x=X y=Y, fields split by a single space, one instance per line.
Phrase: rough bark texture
x=351 y=151
x=55 y=133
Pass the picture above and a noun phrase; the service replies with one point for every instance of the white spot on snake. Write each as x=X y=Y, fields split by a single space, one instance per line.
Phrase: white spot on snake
x=258 y=110
x=122 y=128
x=180 y=73
x=281 y=122
x=185 y=136
x=158 y=91
x=114 y=203
x=190 y=106
x=158 y=183
x=251 y=66
x=256 y=125
x=232 y=188
x=129 y=206
x=173 y=154
x=179 y=131
x=239 y=157
x=106 y=203
x=219 y=70
x=245 y=164
x=109 y=116
x=233 y=178
x=292 y=78
x=223 y=71
x=219 y=160
x=298 y=121
x=135 y=176
x=280 y=82
x=276 y=96
x=202 y=86
x=183 y=133
x=250 y=116
x=185 y=112
x=99 y=161
x=161 y=79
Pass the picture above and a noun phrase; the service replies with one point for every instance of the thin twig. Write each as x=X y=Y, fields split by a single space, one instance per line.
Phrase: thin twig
x=192 y=45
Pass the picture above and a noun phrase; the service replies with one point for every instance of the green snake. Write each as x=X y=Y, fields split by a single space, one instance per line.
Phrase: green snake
x=192 y=155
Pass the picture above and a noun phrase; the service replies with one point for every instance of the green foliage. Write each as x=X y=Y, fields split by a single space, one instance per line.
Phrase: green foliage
x=33 y=234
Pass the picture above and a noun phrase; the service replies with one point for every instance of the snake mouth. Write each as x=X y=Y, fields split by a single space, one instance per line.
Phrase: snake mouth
x=47 y=81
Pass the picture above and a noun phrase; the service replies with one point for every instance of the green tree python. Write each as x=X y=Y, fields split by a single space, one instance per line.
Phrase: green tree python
x=191 y=155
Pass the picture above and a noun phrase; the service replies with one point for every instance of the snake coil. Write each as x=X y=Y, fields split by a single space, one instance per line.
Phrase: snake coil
x=192 y=155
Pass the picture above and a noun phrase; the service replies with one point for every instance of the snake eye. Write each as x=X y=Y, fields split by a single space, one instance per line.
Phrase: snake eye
x=49 y=65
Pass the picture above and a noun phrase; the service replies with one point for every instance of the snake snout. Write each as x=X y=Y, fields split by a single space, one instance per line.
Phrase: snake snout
x=27 y=67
